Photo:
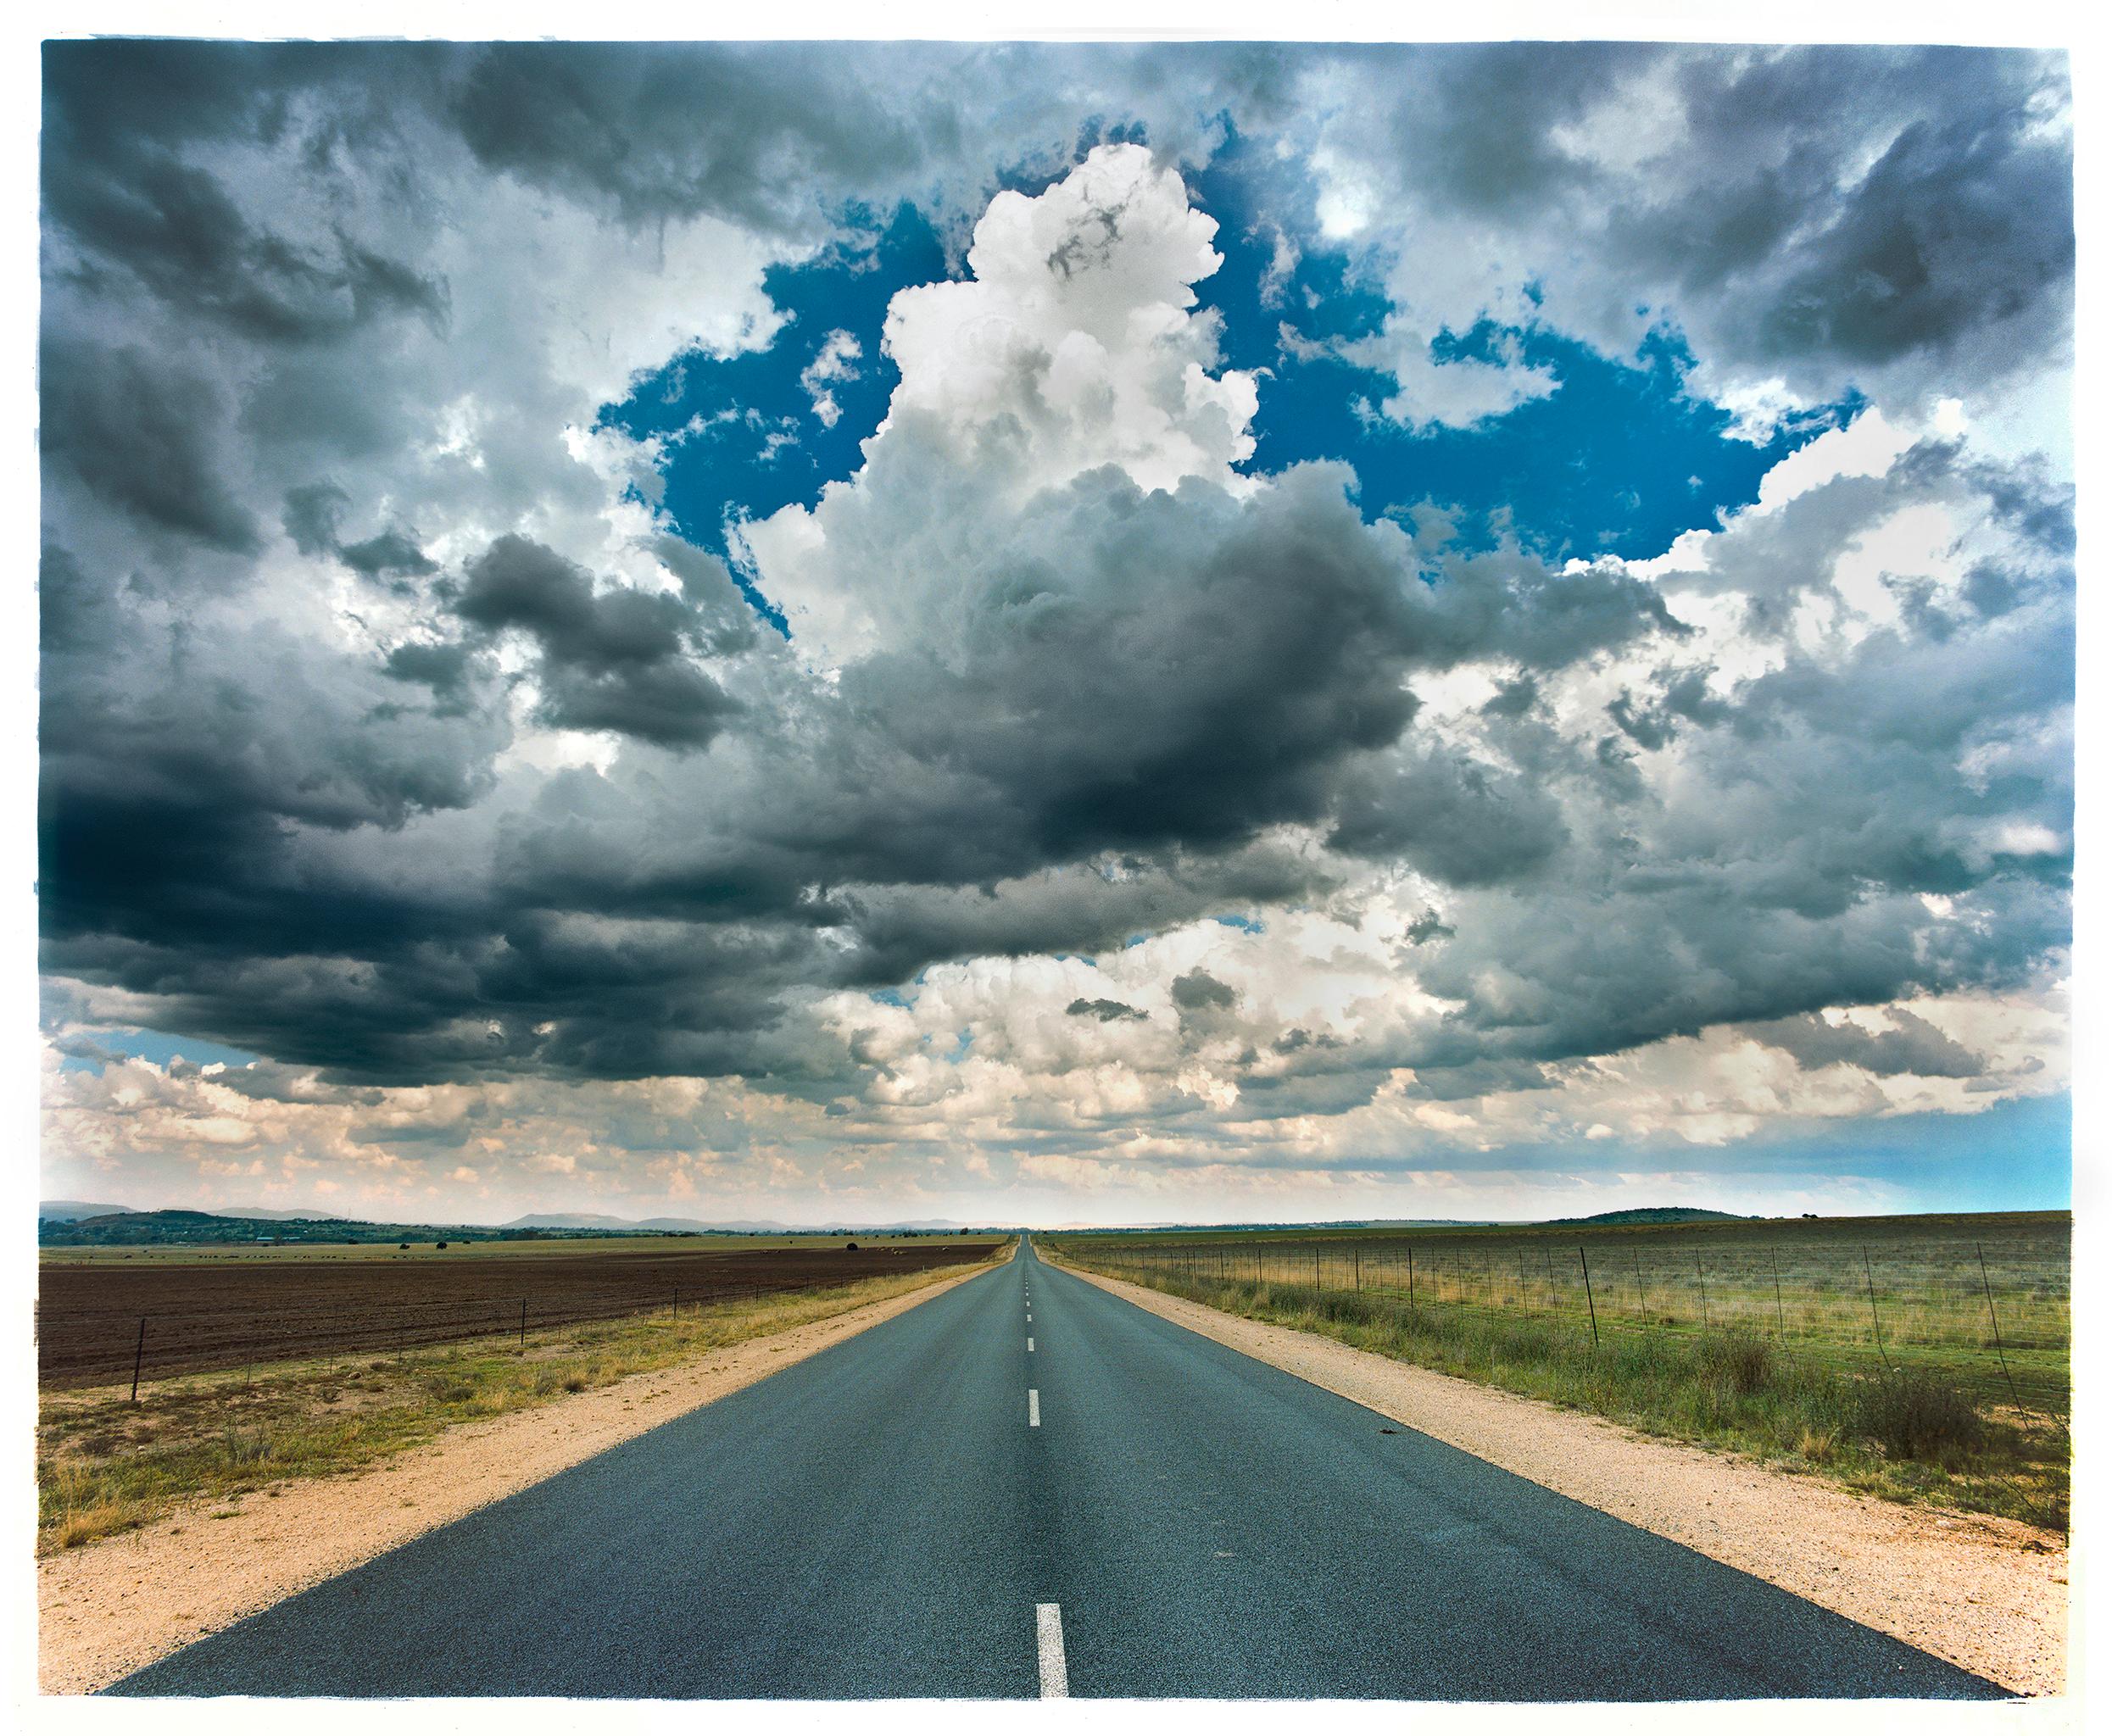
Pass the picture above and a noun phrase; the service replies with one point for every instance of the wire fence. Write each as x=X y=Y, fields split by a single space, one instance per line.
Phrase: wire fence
x=1992 y=1308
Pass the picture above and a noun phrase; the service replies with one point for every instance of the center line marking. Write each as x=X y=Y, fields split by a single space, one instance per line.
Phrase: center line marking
x=1056 y=1679
x=1034 y=1408
x=1030 y=1343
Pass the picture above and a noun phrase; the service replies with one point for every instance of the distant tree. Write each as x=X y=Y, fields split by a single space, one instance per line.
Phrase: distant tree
x=851 y=1246
x=439 y=1244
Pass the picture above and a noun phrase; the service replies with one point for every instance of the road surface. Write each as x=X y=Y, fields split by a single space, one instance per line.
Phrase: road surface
x=1029 y=1487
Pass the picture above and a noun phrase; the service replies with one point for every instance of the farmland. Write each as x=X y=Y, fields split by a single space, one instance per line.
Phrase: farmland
x=1910 y=1356
x=108 y=1463
x=189 y=1310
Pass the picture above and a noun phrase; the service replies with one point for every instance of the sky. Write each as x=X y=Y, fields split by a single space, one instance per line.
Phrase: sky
x=1055 y=633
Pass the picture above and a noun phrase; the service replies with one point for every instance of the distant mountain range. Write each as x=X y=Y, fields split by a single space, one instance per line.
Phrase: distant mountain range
x=65 y=1211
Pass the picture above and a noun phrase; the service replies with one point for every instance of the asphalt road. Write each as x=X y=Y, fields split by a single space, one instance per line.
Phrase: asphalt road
x=935 y=1509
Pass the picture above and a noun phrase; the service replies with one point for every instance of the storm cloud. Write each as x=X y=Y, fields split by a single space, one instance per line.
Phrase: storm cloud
x=1113 y=781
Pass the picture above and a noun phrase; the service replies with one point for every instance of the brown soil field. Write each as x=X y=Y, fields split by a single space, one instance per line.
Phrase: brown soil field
x=223 y=1315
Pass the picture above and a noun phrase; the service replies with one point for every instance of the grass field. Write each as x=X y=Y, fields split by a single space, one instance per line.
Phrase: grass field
x=1916 y=1357
x=106 y=1465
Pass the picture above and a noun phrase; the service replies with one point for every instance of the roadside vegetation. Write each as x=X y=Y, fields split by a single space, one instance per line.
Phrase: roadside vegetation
x=1908 y=1423
x=106 y=1463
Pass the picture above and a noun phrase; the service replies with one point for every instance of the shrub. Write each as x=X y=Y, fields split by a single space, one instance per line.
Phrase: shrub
x=1745 y=1365
x=1915 y=1415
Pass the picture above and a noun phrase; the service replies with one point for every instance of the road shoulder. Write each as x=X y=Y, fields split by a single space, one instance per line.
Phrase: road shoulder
x=1988 y=1594
x=111 y=1607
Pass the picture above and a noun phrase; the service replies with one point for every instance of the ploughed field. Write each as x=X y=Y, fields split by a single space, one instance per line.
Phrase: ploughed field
x=201 y=1314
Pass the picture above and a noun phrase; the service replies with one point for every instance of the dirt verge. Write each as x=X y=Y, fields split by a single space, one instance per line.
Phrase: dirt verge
x=1988 y=1594
x=107 y=1608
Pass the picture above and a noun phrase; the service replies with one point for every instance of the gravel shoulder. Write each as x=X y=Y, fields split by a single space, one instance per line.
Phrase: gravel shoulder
x=1988 y=1594
x=110 y=1607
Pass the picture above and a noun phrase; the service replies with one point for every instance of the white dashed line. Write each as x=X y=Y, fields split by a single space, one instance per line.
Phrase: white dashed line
x=1034 y=1408
x=1055 y=1678
x=1030 y=1346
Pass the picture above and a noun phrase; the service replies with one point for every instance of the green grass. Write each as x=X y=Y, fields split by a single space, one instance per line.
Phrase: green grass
x=106 y=1465
x=1907 y=1428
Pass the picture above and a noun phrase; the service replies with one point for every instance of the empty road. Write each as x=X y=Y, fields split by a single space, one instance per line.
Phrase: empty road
x=1026 y=1486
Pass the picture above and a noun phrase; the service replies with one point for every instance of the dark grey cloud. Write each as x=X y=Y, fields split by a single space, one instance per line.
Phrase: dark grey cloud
x=1198 y=990
x=146 y=437
x=1894 y=219
x=1107 y=1012
x=612 y=660
x=1461 y=823
x=312 y=516
x=295 y=820
x=1912 y=1046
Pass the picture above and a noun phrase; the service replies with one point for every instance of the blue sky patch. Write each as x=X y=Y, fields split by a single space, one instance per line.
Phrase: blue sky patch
x=159 y=1047
x=1619 y=459
x=750 y=433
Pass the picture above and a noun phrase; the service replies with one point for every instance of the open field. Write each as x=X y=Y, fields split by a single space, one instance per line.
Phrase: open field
x=494 y=1247
x=1912 y=1357
x=205 y=1309
x=107 y=1464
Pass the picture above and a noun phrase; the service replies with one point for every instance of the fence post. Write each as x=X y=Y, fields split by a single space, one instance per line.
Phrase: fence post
x=1876 y=1330
x=1356 y=1264
x=139 y=1350
x=1588 y=1302
x=524 y=1326
x=1410 y=1275
x=1982 y=1255
x=1642 y=1299
x=1781 y=1329
x=1701 y=1279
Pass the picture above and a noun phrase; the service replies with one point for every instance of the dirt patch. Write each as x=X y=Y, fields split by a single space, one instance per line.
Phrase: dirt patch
x=109 y=1608
x=1988 y=1594
x=200 y=1315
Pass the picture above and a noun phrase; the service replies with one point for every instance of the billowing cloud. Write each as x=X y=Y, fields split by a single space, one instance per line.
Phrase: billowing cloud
x=1118 y=798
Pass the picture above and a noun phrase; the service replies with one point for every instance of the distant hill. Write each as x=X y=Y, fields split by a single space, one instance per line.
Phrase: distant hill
x=1658 y=1215
x=65 y=1211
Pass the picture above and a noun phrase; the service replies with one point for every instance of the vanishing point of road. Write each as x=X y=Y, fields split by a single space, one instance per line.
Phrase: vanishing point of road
x=1025 y=1487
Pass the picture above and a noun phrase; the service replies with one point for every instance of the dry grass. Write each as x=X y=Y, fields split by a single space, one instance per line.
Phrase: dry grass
x=107 y=1465
x=1904 y=1424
